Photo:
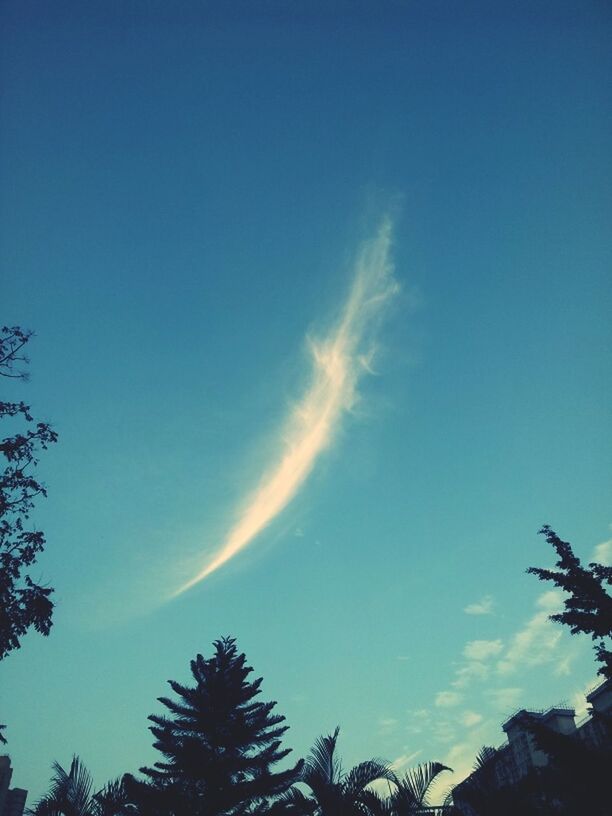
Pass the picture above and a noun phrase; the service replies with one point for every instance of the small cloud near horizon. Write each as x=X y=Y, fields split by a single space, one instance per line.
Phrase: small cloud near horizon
x=447 y=699
x=482 y=607
x=470 y=719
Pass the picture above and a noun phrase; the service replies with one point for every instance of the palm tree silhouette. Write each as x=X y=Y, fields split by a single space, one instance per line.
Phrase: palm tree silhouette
x=70 y=794
x=411 y=793
x=334 y=792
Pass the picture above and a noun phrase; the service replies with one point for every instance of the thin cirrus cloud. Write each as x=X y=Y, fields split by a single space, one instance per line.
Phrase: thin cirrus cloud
x=538 y=641
x=602 y=553
x=338 y=360
x=482 y=607
x=504 y=699
x=471 y=718
x=480 y=650
x=447 y=699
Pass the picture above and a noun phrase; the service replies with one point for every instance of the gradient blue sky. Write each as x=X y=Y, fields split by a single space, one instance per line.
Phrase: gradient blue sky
x=184 y=189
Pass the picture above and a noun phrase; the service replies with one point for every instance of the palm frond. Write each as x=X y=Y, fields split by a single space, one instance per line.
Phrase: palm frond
x=44 y=807
x=448 y=802
x=69 y=793
x=484 y=757
x=80 y=788
x=372 y=804
x=293 y=801
x=413 y=787
x=60 y=784
x=364 y=774
x=112 y=800
x=322 y=765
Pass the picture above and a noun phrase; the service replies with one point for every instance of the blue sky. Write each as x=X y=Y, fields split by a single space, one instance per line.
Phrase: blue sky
x=186 y=189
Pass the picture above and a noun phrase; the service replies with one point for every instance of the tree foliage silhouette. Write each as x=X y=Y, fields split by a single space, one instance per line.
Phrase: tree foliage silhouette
x=70 y=794
x=333 y=791
x=588 y=607
x=576 y=773
x=411 y=790
x=574 y=779
x=23 y=602
x=219 y=745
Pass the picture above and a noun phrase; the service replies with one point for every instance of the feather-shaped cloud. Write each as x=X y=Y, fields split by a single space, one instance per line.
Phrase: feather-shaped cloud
x=338 y=361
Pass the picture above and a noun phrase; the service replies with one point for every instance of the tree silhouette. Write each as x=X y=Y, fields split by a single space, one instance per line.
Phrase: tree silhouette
x=575 y=778
x=219 y=745
x=588 y=607
x=411 y=791
x=70 y=794
x=333 y=791
x=23 y=603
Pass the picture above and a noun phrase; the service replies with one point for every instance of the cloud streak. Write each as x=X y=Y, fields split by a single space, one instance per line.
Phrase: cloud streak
x=480 y=650
x=338 y=362
x=603 y=553
x=538 y=641
x=482 y=607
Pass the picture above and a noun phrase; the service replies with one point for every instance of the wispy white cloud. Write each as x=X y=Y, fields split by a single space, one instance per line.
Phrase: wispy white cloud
x=563 y=667
x=338 y=362
x=539 y=645
x=470 y=719
x=405 y=760
x=473 y=670
x=443 y=731
x=476 y=652
x=552 y=600
x=603 y=553
x=579 y=699
x=418 y=721
x=482 y=649
x=447 y=699
x=482 y=607
x=504 y=699
x=538 y=641
x=387 y=725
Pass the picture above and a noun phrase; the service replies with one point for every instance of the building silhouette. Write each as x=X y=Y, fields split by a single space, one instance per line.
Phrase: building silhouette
x=12 y=800
x=519 y=755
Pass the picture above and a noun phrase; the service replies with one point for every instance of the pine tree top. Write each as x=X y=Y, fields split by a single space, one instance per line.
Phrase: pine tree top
x=218 y=742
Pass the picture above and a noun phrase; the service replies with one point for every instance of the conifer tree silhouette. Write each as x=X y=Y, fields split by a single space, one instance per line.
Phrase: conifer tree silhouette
x=219 y=745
